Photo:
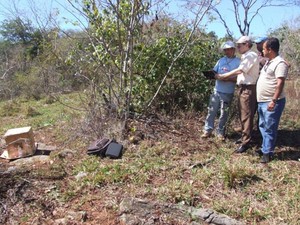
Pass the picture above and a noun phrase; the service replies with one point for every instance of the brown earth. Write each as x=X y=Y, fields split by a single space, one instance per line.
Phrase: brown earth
x=32 y=194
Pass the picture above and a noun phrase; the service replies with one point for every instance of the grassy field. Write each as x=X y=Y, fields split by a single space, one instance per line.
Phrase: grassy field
x=171 y=164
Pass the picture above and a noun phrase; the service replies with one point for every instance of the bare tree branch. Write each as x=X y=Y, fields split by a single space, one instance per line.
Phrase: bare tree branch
x=245 y=11
x=5 y=73
x=229 y=32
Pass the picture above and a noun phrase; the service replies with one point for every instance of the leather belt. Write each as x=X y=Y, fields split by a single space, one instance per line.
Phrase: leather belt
x=246 y=85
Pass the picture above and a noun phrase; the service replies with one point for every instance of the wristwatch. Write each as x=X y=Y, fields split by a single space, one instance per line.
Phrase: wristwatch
x=274 y=100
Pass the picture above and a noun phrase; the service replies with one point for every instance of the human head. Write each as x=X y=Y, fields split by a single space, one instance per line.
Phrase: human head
x=259 y=43
x=271 y=47
x=228 y=48
x=244 y=44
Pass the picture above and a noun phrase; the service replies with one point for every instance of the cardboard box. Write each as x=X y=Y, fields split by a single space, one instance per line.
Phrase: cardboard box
x=20 y=143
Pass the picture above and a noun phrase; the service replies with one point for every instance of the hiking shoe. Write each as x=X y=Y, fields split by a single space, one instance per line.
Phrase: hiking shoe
x=239 y=141
x=266 y=158
x=206 y=134
x=241 y=149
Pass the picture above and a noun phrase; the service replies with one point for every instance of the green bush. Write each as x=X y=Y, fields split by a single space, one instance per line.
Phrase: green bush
x=185 y=88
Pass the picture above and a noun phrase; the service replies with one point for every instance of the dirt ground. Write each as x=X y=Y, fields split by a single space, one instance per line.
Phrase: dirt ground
x=29 y=193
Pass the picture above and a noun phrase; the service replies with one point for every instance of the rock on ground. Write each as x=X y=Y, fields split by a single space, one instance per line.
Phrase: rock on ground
x=137 y=211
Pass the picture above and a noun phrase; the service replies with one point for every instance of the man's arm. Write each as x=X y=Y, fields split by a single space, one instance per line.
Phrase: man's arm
x=231 y=79
x=227 y=76
x=278 y=90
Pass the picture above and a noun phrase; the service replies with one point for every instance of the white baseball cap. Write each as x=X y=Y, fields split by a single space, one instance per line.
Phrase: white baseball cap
x=244 y=39
x=228 y=44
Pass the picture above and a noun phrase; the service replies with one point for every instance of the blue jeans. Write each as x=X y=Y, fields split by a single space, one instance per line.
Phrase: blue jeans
x=268 y=124
x=218 y=101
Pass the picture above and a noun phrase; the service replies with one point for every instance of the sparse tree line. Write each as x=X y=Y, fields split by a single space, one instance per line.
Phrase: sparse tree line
x=123 y=61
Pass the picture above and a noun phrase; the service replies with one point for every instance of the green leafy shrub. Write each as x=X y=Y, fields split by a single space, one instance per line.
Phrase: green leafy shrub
x=185 y=88
x=30 y=85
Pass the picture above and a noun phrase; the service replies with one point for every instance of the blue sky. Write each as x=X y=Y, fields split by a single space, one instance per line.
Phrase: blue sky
x=58 y=8
x=270 y=18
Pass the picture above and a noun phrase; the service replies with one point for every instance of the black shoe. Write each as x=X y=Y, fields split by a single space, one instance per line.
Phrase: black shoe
x=239 y=141
x=241 y=149
x=266 y=158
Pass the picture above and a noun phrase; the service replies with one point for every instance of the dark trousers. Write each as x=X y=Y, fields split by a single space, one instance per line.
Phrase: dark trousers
x=247 y=106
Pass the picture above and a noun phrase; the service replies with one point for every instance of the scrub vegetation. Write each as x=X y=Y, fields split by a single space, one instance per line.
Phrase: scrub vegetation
x=135 y=75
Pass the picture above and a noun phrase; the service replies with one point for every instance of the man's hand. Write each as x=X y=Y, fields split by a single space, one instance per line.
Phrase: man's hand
x=220 y=77
x=271 y=106
x=217 y=76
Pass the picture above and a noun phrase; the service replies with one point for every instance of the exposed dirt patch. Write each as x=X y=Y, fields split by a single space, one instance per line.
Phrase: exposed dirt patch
x=32 y=194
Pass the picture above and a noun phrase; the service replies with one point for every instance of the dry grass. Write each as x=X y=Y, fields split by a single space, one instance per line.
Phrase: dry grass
x=236 y=185
x=290 y=117
x=184 y=169
x=172 y=164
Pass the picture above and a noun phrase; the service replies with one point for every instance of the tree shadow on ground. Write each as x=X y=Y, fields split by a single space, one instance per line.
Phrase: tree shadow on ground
x=288 y=155
x=288 y=138
x=287 y=145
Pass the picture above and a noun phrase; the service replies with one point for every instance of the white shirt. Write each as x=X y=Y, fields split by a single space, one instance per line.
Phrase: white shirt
x=250 y=67
x=267 y=80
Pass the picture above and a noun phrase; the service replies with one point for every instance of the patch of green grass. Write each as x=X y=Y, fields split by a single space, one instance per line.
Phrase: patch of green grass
x=179 y=191
x=25 y=218
x=9 y=108
x=37 y=114
x=98 y=174
x=236 y=175
x=263 y=195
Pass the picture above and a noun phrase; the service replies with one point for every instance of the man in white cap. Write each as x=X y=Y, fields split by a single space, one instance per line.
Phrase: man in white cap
x=247 y=74
x=222 y=96
x=262 y=60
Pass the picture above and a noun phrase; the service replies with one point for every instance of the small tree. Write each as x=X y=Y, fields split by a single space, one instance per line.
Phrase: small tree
x=107 y=60
x=17 y=30
x=122 y=52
